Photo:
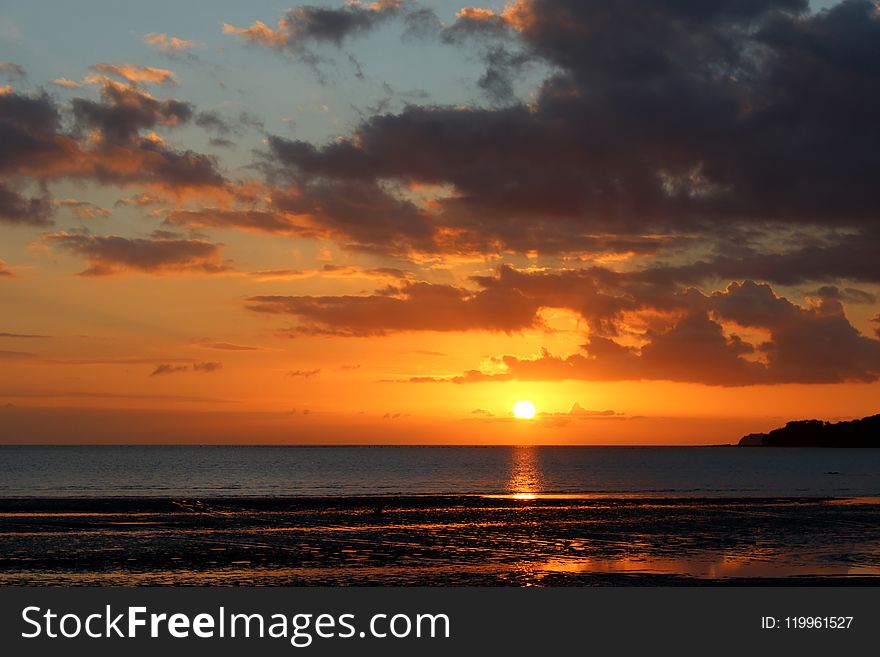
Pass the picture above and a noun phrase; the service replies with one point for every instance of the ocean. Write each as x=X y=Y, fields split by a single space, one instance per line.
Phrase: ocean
x=342 y=471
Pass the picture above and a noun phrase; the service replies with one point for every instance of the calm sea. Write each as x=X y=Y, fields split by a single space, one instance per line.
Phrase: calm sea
x=218 y=471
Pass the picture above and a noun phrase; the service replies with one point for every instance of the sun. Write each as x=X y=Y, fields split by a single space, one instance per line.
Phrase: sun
x=524 y=410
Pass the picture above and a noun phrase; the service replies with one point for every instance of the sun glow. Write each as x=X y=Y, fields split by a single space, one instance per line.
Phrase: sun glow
x=524 y=410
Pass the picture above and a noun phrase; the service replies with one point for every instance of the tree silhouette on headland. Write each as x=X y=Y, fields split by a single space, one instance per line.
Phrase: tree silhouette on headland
x=816 y=433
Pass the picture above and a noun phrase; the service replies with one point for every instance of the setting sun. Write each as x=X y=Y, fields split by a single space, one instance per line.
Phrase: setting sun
x=524 y=410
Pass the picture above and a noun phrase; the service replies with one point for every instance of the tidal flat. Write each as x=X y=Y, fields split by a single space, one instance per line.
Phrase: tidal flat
x=440 y=541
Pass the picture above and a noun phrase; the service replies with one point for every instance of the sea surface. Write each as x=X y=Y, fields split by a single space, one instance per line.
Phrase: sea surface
x=511 y=516
x=302 y=471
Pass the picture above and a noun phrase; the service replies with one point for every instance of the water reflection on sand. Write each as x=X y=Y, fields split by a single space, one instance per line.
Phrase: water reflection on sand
x=474 y=540
x=716 y=567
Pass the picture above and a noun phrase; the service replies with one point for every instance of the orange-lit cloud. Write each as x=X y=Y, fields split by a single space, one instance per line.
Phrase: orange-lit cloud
x=67 y=83
x=169 y=44
x=83 y=209
x=135 y=73
x=4 y=271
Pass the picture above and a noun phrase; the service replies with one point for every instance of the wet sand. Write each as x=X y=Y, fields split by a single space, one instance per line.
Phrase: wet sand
x=429 y=541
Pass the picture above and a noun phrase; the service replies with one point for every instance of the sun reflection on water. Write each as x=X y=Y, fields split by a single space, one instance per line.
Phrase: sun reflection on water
x=526 y=479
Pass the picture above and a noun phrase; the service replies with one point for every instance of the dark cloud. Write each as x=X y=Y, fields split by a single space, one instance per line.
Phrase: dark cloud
x=502 y=68
x=410 y=307
x=107 y=145
x=262 y=221
x=113 y=254
x=301 y=27
x=12 y=71
x=213 y=121
x=4 y=271
x=848 y=295
x=224 y=126
x=126 y=110
x=660 y=118
x=848 y=257
x=169 y=368
x=207 y=367
x=28 y=129
x=221 y=142
x=305 y=374
x=18 y=209
x=226 y=346
x=489 y=33
x=24 y=336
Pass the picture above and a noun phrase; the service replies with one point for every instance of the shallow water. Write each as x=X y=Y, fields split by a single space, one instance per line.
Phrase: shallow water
x=431 y=541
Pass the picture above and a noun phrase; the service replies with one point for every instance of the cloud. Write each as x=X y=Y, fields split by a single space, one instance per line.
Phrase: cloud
x=67 y=83
x=712 y=117
x=634 y=327
x=303 y=26
x=16 y=355
x=211 y=120
x=409 y=307
x=18 y=209
x=126 y=110
x=849 y=294
x=12 y=71
x=169 y=45
x=24 y=336
x=140 y=200
x=83 y=209
x=79 y=394
x=260 y=221
x=576 y=412
x=137 y=74
x=128 y=360
x=113 y=254
x=28 y=127
x=226 y=346
x=107 y=146
x=805 y=345
x=168 y=368
x=306 y=374
x=5 y=272
x=207 y=367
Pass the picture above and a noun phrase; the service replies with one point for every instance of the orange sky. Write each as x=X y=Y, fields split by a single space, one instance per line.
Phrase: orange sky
x=281 y=235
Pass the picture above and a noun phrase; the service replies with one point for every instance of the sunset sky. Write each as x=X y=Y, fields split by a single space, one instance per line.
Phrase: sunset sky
x=657 y=220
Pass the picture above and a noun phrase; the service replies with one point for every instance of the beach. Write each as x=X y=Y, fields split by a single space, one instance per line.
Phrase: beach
x=507 y=540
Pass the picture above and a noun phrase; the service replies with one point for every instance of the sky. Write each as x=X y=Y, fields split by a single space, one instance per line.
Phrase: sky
x=388 y=222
